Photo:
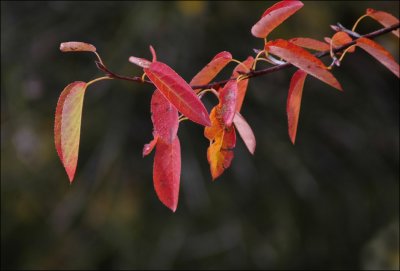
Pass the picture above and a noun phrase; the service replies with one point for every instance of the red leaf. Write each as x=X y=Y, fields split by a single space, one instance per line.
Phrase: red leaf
x=245 y=132
x=294 y=102
x=67 y=125
x=310 y=44
x=178 y=92
x=76 y=46
x=227 y=97
x=340 y=38
x=379 y=53
x=303 y=60
x=166 y=172
x=148 y=148
x=164 y=117
x=211 y=70
x=242 y=85
x=222 y=142
x=274 y=16
x=384 y=18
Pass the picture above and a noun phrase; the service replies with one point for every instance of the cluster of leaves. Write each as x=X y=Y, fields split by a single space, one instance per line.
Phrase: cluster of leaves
x=174 y=100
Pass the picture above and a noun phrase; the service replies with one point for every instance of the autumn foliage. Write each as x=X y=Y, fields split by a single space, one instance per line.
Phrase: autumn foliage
x=174 y=100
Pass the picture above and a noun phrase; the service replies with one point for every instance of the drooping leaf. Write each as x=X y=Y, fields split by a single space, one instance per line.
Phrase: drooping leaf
x=164 y=117
x=303 y=60
x=178 y=92
x=222 y=142
x=227 y=97
x=67 y=125
x=141 y=62
x=379 y=53
x=76 y=46
x=310 y=44
x=245 y=132
x=167 y=171
x=294 y=102
x=148 y=148
x=340 y=38
x=384 y=18
x=274 y=16
x=242 y=84
x=211 y=70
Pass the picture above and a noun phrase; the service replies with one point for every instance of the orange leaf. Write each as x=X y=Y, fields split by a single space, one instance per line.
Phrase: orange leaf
x=294 y=102
x=76 y=46
x=211 y=70
x=67 y=125
x=245 y=132
x=340 y=38
x=310 y=44
x=242 y=85
x=227 y=97
x=379 y=53
x=178 y=92
x=303 y=60
x=164 y=117
x=274 y=16
x=148 y=148
x=167 y=171
x=384 y=18
x=222 y=142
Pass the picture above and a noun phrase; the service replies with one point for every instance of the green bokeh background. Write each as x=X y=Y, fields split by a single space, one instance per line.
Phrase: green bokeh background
x=331 y=201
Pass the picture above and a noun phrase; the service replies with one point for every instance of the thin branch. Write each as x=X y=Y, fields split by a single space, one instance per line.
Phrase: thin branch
x=252 y=73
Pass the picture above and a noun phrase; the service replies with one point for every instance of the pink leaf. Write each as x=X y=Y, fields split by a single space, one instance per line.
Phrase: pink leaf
x=310 y=44
x=141 y=62
x=303 y=60
x=67 y=125
x=245 y=132
x=166 y=172
x=294 y=102
x=178 y=92
x=164 y=116
x=274 y=16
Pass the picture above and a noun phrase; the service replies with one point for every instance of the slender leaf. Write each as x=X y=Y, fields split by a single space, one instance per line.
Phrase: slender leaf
x=178 y=92
x=303 y=60
x=274 y=16
x=245 y=132
x=67 y=125
x=167 y=171
x=379 y=53
x=294 y=102
x=76 y=46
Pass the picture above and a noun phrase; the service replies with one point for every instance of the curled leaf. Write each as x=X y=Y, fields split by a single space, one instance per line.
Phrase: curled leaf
x=303 y=60
x=67 y=125
x=178 y=92
x=310 y=44
x=294 y=102
x=76 y=46
x=211 y=69
x=141 y=62
x=245 y=132
x=228 y=97
x=384 y=18
x=166 y=172
x=164 y=117
x=379 y=53
x=148 y=148
x=274 y=16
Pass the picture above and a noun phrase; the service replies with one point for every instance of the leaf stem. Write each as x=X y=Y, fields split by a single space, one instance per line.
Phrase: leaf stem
x=98 y=79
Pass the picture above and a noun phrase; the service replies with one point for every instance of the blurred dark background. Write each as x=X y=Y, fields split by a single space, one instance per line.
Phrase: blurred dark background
x=331 y=201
